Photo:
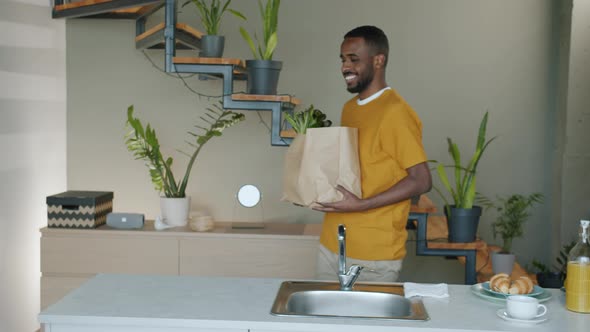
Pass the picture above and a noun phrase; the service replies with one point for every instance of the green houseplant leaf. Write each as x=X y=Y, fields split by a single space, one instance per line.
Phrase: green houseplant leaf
x=265 y=48
x=212 y=12
x=143 y=143
x=514 y=210
x=463 y=193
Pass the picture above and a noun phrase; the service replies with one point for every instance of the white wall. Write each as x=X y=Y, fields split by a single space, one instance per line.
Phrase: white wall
x=33 y=149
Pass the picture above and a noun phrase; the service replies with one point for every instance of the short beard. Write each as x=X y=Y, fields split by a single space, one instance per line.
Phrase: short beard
x=360 y=87
x=363 y=83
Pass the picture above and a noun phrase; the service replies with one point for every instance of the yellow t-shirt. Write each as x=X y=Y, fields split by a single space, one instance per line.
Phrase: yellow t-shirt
x=390 y=141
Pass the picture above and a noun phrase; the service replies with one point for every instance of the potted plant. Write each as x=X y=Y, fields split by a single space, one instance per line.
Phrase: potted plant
x=553 y=277
x=143 y=143
x=263 y=71
x=211 y=13
x=514 y=210
x=462 y=215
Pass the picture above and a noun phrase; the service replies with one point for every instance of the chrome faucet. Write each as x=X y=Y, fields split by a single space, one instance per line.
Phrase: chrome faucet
x=346 y=278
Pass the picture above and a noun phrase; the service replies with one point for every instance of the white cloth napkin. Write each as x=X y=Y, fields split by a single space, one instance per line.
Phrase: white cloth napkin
x=429 y=290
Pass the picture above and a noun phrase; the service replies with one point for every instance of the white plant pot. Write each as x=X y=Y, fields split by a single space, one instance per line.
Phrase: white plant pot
x=175 y=211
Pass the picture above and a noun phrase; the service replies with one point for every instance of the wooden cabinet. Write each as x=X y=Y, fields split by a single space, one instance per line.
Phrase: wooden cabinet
x=71 y=256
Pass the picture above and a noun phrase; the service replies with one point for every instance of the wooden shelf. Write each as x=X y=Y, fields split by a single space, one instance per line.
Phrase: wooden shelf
x=186 y=37
x=290 y=133
x=445 y=244
x=239 y=71
x=78 y=4
x=117 y=9
x=281 y=98
x=209 y=61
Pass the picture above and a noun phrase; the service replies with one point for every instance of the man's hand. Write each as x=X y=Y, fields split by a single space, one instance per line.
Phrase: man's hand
x=349 y=203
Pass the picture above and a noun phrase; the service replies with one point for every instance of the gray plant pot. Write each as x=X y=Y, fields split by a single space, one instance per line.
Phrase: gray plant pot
x=462 y=223
x=263 y=76
x=212 y=46
x=502 y=263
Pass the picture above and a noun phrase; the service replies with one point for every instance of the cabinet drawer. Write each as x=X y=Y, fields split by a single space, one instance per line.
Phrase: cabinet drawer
x=249 y=257
x=109 y=254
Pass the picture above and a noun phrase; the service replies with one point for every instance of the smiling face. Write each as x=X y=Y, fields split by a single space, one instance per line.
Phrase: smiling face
x=360 y=67
x=357 y=64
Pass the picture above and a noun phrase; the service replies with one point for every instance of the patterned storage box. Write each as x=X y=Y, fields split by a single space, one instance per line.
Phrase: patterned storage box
x=79 y=209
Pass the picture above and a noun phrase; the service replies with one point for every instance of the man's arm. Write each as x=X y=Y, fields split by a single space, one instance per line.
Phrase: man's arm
x=417 y=182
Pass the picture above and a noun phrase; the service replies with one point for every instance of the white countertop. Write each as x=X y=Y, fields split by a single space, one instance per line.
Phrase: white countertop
x=115 y=303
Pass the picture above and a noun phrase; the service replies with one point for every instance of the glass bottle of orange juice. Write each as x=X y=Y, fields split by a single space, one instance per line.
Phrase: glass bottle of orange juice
x=577 y=283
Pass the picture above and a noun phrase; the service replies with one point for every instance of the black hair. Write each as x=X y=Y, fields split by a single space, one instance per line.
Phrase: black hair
x=374 y=37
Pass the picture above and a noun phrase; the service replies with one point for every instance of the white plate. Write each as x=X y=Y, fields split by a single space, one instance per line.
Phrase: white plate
x=478 y=291
x=536 y=290
x=505 y=316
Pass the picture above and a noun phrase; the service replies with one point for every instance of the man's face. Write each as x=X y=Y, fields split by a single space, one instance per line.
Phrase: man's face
x=357 y=64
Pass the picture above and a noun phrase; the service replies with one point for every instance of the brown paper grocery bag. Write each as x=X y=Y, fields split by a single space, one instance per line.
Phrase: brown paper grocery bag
x=317 y=162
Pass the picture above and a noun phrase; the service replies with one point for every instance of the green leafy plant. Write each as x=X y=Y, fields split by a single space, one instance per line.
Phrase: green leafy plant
x=514 y=211
x=309 y=118
x=463 y=192
x=212 y=12
x=270 y=20
x=143 y=143
x=560 y=265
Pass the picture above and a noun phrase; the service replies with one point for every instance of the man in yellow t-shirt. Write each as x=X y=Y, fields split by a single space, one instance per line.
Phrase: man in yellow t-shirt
x=393 y=166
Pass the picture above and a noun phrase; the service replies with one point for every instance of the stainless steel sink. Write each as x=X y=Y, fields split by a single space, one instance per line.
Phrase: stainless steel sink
x=325 y=299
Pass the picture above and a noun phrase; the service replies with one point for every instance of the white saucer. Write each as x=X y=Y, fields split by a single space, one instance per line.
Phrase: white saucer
x=505 y=316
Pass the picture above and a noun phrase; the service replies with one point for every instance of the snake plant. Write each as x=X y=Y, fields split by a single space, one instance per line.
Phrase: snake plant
x=463 y=192
x=270 y=20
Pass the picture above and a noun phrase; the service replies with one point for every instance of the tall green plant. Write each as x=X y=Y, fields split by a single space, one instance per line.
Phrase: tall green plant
x=270 y=21
x=212 y=12
x=513 y=211
x=143 y=143
x=463 y=192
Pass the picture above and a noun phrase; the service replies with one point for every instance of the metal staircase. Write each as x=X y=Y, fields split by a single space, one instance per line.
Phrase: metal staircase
x=170 y=36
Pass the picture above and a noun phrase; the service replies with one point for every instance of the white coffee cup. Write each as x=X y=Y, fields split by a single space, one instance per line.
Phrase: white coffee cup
x=524 y=307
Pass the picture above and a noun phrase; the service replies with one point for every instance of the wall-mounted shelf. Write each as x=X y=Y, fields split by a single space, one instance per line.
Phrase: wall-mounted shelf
x=230 y=69
x=239 y=70
x=186 y=37
x=123 y=9
x=170 y=36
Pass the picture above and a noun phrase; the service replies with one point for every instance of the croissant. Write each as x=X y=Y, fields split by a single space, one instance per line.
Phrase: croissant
x=529 y=284
x=518 y=287
x=502 y=283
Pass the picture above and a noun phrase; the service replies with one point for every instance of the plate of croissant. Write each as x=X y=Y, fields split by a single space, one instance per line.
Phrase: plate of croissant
x=501 y=284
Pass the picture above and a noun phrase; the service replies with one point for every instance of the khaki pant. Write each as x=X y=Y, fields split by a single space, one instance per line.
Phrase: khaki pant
x=382 y=271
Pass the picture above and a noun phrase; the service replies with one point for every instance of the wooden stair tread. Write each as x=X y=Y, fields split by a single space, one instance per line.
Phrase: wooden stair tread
x=445 y=244
x=290 y=133
x=115 y=9
x=209 y=61
x=79 y=4
x=160 y=27
x=281 y=98
x=87 y=3
x=133 y=10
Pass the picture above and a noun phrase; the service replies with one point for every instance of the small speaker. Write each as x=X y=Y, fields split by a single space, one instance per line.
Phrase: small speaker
x=125 y=220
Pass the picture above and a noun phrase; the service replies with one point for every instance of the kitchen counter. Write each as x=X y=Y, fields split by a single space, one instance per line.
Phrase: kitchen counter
x=115 y=303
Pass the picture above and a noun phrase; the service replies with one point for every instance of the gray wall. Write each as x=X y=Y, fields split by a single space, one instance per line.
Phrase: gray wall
x=575 y=156
x=451 y=60
x=33 y=149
